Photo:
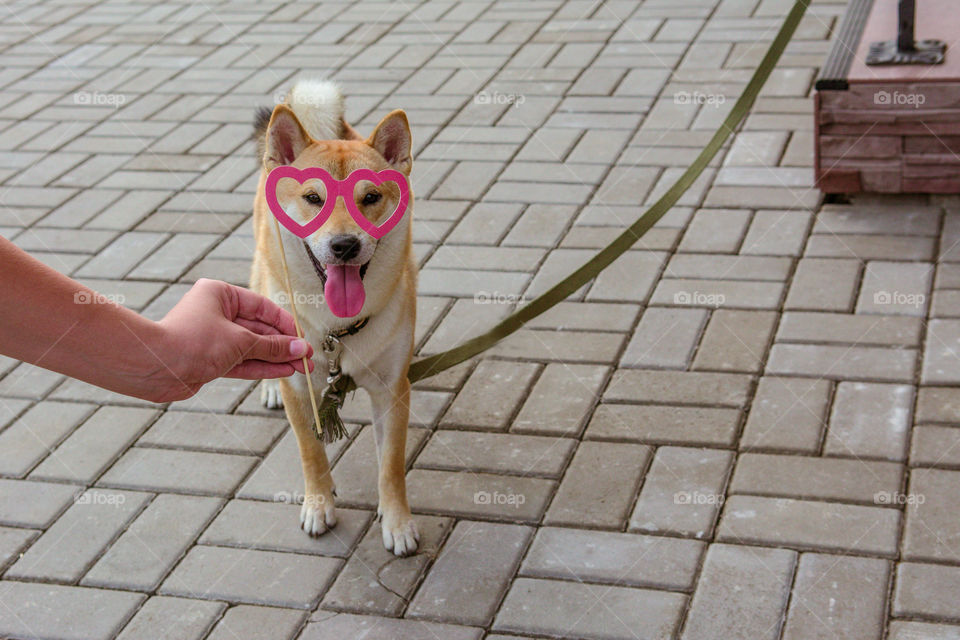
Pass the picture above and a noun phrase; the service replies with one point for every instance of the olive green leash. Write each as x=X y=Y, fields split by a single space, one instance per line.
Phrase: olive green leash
x=336 y=390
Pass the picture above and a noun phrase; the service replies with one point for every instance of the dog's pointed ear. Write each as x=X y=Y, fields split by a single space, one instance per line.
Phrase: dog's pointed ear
x=285 y=138
x=392 y=140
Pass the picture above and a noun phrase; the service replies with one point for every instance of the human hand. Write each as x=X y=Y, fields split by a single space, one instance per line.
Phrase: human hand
x=220 y=330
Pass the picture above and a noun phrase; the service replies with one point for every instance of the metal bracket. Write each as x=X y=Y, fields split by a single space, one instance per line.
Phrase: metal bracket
x=906 y=50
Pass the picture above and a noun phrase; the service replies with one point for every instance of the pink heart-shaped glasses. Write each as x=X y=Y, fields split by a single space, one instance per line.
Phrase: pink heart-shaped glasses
x=336 y=189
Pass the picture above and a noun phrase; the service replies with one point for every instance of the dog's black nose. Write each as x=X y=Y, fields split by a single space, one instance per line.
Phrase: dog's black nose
x=345 y=246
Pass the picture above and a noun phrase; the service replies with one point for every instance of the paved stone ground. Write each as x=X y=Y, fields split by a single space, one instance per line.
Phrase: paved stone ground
x=746 y=428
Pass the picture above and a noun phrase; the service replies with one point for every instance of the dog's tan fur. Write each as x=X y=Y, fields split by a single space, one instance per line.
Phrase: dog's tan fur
x=378 y=356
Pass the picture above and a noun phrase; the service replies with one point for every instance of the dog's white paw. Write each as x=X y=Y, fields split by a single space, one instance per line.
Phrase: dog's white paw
x=400 y=533
x=317 y=515
x=270 y=394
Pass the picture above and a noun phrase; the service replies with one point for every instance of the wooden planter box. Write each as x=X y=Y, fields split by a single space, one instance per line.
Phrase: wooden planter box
x=889 y=129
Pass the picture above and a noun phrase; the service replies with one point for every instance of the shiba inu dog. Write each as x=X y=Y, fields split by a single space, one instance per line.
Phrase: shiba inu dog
x=363 y=280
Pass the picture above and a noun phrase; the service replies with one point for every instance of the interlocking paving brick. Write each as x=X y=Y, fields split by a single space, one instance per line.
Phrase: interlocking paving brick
x=931 y=531
x=251 y=577
x=471 y=573
x=726 y=267
x=220 y=395
x=903 y=630
x=34 y=433
x=491 y=394
x=13 y=542
x=183 y=471
x=355 y=473
x=675 y=387
x=74 y=541
x=665 y=338
x=810 y=525
x=171 y=260
x=940 y=356
x=630 y=278
x=682 y=492
x=279 y=475
x=787 y=414
x=326 y=625
x=878 y=217
x=35 y=610
x=935 y=446
x=214 y=432
x=742 y=593
x=837 y=597
x=870 y=247
x=938 y=404
x=823 y=285
x=478 y=494
x=612 y=557
x=560 y=399
x=844 y=328
x=248 y=622
x=870 y=420
x=599 y=485
x=926 y=591
x=376 y=582
x=24 y=503
x=735 y=340
x=895 y=288
x=562 y=346
x=847 y=480
x=162 y=616
x=496 y=453
x=662 y=424
x=575 y=611
x=844 y=362
x=780 y=233
x=275 y=526
x=715 y=230
x=91 y=448
x=152 y=543
x=122 y=254
x=735 y=294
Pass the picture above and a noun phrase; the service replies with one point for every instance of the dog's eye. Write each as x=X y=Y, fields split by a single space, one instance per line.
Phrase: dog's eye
x=313 y=198
x=371 y=198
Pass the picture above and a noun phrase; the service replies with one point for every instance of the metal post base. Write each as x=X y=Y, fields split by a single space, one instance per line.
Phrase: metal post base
x=923 y=52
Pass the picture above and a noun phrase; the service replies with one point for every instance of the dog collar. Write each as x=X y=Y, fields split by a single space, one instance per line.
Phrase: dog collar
x=351 y=329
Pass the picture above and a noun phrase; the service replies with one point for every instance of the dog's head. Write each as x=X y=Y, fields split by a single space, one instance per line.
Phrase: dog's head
x=341 y=251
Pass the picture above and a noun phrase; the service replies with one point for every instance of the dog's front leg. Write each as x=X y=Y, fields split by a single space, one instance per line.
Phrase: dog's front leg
x=391 y=413
x=317 y=513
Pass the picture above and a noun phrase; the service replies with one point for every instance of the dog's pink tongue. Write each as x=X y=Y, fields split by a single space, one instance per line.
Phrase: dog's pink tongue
x=344 y=290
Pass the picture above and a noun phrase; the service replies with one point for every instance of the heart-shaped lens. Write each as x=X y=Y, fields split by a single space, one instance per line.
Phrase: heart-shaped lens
x=379 y=198
x=322 y=185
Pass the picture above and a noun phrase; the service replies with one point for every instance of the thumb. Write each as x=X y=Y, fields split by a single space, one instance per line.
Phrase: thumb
x=276 y=348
